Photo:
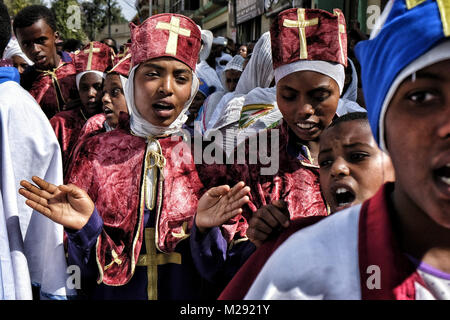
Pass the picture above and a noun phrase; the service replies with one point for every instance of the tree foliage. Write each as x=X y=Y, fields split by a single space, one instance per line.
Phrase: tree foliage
x=69 y=19
x=14 y=6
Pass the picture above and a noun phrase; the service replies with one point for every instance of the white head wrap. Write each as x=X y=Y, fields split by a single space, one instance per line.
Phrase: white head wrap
x=335 y=71
x=207 y=38
x=236 y=63
x=13 y=49
x=259 y=70
x=81 y=74
x=142 y=127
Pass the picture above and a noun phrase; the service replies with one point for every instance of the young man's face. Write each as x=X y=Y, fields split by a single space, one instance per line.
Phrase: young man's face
x=38 y=43
x=352 y=167
x=308 y=101
x=162 y=87
x=90 y=90
x=113 y=99
x=417 y=127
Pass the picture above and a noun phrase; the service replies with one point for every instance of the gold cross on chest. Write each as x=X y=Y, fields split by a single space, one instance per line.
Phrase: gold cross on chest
x=151 y=260
x=444 y=10
x=301 y=23
x=174 y=30
x=91 y=51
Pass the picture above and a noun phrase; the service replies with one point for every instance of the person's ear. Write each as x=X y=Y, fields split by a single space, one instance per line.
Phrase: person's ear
x=56 y=35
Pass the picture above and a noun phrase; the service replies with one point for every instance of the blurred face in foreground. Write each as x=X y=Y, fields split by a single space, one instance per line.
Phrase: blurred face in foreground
x=352 y=167
x=417 y=126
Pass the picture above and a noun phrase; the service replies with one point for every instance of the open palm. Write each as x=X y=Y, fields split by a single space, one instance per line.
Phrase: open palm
x=66 y=204
x=220 y=204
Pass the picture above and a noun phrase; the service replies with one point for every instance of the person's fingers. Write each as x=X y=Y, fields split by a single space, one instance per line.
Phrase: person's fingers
x=274 y=217
x=258 y=224
x=255 y=234
x=33 y=189
x=33 y=197
x=231 y=214
x=44 y=185
x=219 y=191
x=283 y=208
x=236 y=188
x=39 y=208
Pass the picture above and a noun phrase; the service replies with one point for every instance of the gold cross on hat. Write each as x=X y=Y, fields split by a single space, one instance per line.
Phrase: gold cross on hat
x=444 y=10
x=91 y=51
x=301 y=23
x=341 y=30
x=174 y=30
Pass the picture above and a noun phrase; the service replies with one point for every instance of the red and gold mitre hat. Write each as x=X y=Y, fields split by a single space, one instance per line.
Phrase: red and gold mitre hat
x=122 y=62
x=308 y=34
x=166 y=35
x=95 y=56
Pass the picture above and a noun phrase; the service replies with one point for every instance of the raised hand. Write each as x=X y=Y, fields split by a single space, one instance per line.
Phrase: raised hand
x=220 y=204
x=268 y=221
x=66 y=204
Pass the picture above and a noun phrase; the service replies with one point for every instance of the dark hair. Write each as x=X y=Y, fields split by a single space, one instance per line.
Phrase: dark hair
x=114 y=46
x=349 y=117
x=72 y=45
x=5 y=27
x=31 y=14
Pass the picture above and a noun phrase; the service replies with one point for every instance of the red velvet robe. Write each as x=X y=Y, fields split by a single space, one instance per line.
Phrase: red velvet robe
x=296 y=181
x=67 y=126
x=109 y=167
x=53 y=96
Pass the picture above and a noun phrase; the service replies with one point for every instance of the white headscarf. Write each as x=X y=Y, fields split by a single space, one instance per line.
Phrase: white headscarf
x=259 y=70
x=81 y=74
x=142 y=127
x=207 y=38
x=13 y=49
x=236 y=63
x=335 y=71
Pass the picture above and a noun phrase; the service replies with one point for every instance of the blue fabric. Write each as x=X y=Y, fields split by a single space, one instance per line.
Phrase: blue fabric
x=203 y=88
x=9 y=74
x=406 y=35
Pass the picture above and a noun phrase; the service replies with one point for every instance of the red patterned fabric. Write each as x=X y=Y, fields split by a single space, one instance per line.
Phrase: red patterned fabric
x=153 y=39
x=296 y=182
x=122 y=63
x=378 y=246
x=109 y=167
x=322 y=36
x=44 y=89
x=67 y=126
x=94 y=56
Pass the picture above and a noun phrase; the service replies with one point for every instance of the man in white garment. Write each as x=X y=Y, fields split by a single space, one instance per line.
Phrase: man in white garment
x=31 y=246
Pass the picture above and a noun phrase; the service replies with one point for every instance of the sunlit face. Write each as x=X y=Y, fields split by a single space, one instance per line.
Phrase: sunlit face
x=195 y=107
x=162 y=87
x=352 y=167
x=113 y=99
x=417 y=126
x=19 y=63
x=232 y=79
x=38 y=43
x=90 y=90
x=308 y=101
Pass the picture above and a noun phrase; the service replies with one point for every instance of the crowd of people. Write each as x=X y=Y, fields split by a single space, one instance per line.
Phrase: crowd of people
x=308 y=164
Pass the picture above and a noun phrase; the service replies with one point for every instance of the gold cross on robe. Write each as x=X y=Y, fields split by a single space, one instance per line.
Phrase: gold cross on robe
x=301 y=23
x=174 y=30
x=91 y=51
x=152 y=259
x=444 y=10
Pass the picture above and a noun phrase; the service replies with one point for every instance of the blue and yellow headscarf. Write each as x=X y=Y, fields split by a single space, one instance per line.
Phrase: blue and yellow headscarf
x=405 y=43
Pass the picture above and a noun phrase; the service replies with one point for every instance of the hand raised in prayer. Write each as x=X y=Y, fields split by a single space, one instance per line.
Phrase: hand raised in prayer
x=220 y=204
x=268 y=221
x=66 y=204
